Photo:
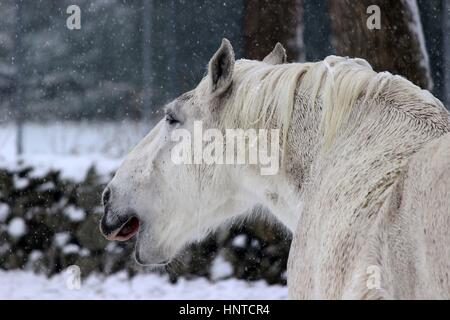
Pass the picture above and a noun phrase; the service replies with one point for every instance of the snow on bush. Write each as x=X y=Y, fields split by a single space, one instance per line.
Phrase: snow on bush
x=71 y=248
x=4 y=211
x=221 y=268
x=61 y=239
x=75 y=214
x=240 y=241
x=20 y=183
x=16 y=228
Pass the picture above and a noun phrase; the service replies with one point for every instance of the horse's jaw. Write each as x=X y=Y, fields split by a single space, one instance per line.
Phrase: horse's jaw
x=146 y=254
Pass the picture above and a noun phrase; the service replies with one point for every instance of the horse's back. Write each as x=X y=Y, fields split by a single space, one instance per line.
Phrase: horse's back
x=425 y=216
x=410 y=242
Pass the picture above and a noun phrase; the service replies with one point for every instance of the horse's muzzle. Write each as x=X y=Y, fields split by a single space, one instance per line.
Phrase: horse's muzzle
x=125 y=227
x=121 y=227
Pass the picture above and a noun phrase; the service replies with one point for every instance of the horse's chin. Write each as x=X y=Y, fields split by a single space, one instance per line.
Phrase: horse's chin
x=149 y=256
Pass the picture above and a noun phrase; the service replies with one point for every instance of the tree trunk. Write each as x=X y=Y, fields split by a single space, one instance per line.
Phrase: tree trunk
x=171 y=54
x=398 y=46
x=268 y=22
x=432 y=14
x=18 y=99
x=147 y=72
x=446 y=27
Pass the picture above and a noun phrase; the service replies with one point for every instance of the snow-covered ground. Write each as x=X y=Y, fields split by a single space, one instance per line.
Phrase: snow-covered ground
x=110 y=139
x=26 y=285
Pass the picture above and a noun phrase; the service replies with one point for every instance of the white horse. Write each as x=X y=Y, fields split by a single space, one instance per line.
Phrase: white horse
x=364 y=182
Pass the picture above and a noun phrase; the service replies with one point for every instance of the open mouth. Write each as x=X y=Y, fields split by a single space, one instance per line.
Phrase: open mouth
x=126 y=231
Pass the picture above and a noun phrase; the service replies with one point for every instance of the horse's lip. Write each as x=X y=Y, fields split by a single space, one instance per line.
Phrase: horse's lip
x=126 y=231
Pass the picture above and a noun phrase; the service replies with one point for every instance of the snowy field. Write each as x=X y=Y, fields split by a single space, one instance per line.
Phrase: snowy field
x=72 y=147
x=26 y=285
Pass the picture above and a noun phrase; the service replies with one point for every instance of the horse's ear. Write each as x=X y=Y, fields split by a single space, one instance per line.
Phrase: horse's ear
x=220 y=68
x=277 y=56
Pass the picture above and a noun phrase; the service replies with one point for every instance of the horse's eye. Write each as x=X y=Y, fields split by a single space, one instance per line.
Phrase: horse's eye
x=170 y=119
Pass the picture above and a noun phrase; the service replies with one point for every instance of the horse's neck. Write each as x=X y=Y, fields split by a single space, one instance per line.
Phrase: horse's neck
x=304 y=142
x=364 y=159
x=369 y=154
x=302 y=147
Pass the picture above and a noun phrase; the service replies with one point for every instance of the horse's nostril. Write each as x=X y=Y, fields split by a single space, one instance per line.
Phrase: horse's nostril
x=106 y=196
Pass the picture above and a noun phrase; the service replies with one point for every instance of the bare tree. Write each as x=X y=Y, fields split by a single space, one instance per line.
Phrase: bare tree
x=147 y=72
x=17 y=99
x=446 y=55
x=267 y=22
x=398 y=46
x=171 y=31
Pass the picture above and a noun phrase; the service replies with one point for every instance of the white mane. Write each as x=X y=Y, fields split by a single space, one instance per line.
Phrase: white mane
x=263 y=93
